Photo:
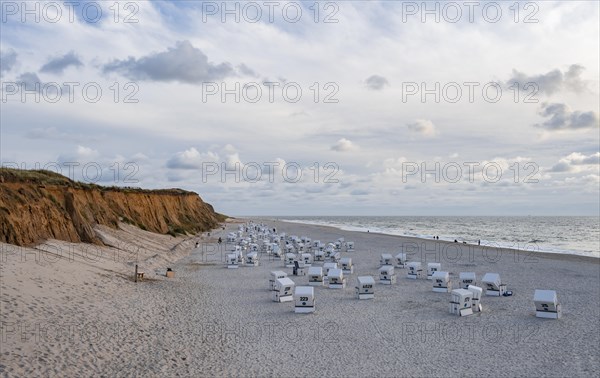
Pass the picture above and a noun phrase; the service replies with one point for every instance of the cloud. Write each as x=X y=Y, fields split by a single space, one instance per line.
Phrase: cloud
x=553 y=81
x=247 y=71
x=563 y=118
x=59 y=64
x=184 y=63
x=376 y=82
x=423 y=126
x=191 y=159
x=8 y=59
x=343 y=145
x=576 y=162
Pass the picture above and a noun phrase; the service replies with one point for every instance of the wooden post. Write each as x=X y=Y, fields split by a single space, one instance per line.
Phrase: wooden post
x=136 y=272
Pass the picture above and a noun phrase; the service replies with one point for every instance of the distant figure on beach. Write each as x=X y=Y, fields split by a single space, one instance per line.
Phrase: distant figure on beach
x=274 y=231
x=220 y=240
x=197 y=244
x=437 y=237
x=367 y=230
x=478 y=242
x=456 y=241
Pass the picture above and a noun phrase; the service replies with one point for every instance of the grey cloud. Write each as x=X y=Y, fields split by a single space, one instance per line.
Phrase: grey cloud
x=563 y=166
x=376 y=82
x=247 y=71
x=563 y=118
x=184 y=63
x=59 y=64
x=30 y=80
x=553 y=81
x=7 y=61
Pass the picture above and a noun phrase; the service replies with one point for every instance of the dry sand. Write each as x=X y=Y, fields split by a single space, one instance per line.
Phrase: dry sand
x=81 y=315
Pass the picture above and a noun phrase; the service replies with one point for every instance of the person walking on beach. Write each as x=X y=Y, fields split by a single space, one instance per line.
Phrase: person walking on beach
x=220 y=240
x=479 y=242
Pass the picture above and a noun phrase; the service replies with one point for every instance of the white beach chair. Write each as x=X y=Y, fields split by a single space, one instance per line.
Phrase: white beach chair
x=336 y=279
x=232 y=261
x=466 y=279
x=476 y=299
x=546 y=304
x=315 y=276
x=365 y=287
x=386 y=259
x=432 y=268
x=493 y=285
x=283 y=291
x=346 y=264
x=387 y=275
x=460 y=303
x=304 y=299
x=441 y=282
x=400 y=260
x=275 y=275
x=414 y=270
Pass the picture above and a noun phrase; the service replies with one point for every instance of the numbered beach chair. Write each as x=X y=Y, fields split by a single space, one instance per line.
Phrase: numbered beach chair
x=304 y=297
x=493 y=285
x=387 y=275
x=328 y=266
x=299 y=268
x=460 y=302
x=275 y=275
x=346 y=264
x=432 y=268
x=466 y=279
x=307 y=259
x=400 y=260
x=319 y=255
x=350 y=246
x=546 y=304
x=365 y=287
x=289 y=260
x=441 y=282
x=386 y=259
x=336 y=279
x=232 y=261
x=252 y=259
x=414 y=270
x=283 y=291
x=336 y=256
x=315 y=276
x=476 y=299
x=329 y=250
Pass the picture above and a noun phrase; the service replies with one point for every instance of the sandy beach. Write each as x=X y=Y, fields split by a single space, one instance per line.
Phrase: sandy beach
x=81 y=314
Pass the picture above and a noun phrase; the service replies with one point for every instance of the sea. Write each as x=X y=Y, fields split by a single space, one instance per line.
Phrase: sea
x=578 y=235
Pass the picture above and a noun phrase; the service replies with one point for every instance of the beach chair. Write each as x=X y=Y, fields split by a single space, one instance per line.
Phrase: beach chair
x=466 y=279
x=387 y=275
x=365 y=287
x=319 y=255
x=336 y=279
x=283 y=291
x=232 y=261
x=307 y=259
x=493 y=285
x=304 y=299
x=275 y=275
x=414 y=270
x=299 y=268
x=315 y=276
x=476 y=298
x=386 y=259
x=546 y=304
x=460 y=303
x=346 y=265
x=252 y=259
x=289 y=260
x=350 y=246
x=441 y=282
x=400 y=260
x=432 y=268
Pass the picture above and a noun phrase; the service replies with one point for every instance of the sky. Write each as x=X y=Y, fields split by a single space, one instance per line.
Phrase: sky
x=312 y=108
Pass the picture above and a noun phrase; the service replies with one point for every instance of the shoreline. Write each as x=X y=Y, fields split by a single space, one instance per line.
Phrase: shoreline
x=416 y=238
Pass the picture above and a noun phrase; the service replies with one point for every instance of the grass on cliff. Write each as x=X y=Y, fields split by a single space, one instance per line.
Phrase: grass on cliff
x=43 y=177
